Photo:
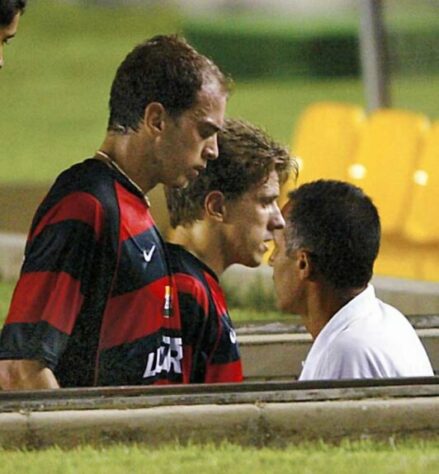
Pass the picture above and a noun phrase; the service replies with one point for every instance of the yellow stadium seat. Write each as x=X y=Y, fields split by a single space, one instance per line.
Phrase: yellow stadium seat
x=384 y=162
x=323 y=142
x=422 y=226
x=398 y=258
x=430 y=264
x=423 y=215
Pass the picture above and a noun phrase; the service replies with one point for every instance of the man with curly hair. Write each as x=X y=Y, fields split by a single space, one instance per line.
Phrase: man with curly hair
x=96 y=302
x=322 y=266
x=226 y=216
x=10 y=13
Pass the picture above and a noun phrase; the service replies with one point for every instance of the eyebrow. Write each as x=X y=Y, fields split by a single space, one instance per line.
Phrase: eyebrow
x=212 y=125
x=269 y=197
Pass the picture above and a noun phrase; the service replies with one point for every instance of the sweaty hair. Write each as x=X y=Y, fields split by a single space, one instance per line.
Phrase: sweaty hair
x=246 y=158
x=164 y=69
x=340 y=227
x=9 y=8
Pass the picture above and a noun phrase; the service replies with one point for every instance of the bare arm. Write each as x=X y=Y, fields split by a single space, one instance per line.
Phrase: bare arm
x=26 y=375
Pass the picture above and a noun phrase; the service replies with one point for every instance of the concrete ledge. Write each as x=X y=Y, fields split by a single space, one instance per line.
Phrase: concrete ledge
x=14 y=430
x=153 y=426
x=11 y=255
x=277 y=356
x=332 y=421
x=254 y=424
x=280 y=356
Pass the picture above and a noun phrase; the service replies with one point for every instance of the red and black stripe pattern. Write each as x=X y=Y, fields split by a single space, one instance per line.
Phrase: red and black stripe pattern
x=211 y=350
x=94 y=299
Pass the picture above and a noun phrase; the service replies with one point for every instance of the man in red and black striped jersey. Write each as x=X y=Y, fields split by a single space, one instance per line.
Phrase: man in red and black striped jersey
x=226 y=216
x=95 y=303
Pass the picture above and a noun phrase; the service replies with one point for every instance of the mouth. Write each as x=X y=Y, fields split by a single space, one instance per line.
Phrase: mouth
x=200 y=168
x=196 y=171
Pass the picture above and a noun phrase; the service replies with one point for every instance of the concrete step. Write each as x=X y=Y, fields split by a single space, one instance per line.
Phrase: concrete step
x=248 y=414
x=280 y=356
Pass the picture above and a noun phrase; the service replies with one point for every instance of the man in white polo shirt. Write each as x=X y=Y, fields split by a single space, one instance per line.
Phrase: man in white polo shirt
x=322 y=265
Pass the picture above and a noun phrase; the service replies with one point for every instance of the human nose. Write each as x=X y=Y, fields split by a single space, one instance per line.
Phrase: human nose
x=210 y=151
x=1 y=57
x=276 y=219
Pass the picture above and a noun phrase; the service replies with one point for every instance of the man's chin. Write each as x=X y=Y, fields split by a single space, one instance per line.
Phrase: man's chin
x=180 y=183
x=254 y=262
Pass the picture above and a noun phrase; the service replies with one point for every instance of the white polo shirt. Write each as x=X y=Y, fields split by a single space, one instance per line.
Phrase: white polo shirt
x=366 y=339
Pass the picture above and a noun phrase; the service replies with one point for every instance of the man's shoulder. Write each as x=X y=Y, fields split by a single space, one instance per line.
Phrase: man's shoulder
x=83 y=191
x=349 y=343
x=183 y=261
x=89 y=175
x=192 y=276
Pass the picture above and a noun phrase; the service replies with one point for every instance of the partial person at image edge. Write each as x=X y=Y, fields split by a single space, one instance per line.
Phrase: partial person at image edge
x=10 y=14
x=322 y=265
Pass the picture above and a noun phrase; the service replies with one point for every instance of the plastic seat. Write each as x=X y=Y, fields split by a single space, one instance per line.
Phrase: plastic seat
x=323 y=142
x=398 y=258
x=423 y=215
x=422 y=226
x=385 y=160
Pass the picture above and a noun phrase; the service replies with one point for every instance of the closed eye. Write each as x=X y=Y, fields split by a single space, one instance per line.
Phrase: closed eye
x=268 y=201
x=207 y=130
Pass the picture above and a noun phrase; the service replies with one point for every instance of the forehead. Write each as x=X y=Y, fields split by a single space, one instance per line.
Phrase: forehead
x=210 y=104
x=265 y=191
x=268 y=188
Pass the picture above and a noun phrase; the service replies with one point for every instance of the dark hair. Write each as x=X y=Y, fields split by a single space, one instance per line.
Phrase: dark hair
x=9 y=8
x=340 y=227
x=164 y=69
x=246 y=158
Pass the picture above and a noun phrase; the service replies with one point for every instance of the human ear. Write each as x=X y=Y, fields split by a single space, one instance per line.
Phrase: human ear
x=154 y=117
x=304 y=264
x=214 y=206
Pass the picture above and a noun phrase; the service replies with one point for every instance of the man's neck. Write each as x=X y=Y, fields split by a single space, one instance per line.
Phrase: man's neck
x=130 y=155
x=203 y=241
x=322 y=303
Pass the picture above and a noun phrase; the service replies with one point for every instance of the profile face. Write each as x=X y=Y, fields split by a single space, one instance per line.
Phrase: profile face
x=6 y=34
x=190 y=140
x=250 y=222
x=287 y=282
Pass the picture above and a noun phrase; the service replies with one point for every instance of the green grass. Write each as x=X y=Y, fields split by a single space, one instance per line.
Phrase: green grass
x=54 y=89
x=248 y=314
x=317 y=458
x=57 y=77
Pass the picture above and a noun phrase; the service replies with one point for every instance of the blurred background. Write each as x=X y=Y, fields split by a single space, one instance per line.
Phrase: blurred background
x=283 y=55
